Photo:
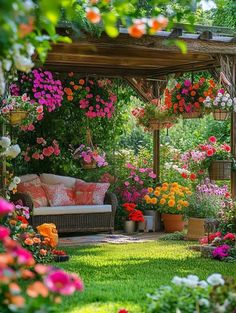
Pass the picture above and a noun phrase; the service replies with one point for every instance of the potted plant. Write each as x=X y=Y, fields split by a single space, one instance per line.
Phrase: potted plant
x=204 y=204
x=90 y=158
x=171 y=202
x=187 y=98
x=221 y=106
x=133 y=217
x=20 y=110
x=153 y=116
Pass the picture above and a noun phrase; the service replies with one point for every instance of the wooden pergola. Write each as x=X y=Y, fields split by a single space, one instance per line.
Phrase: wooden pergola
x=146 y=62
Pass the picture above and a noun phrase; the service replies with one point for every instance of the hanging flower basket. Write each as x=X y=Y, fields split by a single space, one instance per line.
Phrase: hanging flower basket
x=220 y=170
x=89 y=166
x=157 y=125
x=190 y=115
x=221 y=115
x=16 y=117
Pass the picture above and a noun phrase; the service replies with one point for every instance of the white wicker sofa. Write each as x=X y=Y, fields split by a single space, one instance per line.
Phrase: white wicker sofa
x=75 y=218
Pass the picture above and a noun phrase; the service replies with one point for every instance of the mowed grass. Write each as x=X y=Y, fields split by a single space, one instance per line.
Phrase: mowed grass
x=120 y=276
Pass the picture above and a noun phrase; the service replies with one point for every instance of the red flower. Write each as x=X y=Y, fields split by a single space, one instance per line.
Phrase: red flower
x=184 y=175
x=229 y=236
x=129 y=206
x=227 y=195
x=213 y=236
x=210 y=152
x=193 y=176
x=226 y=147
x=123 y=311
x=136 y=216
x=212 y=139
x=22 y=219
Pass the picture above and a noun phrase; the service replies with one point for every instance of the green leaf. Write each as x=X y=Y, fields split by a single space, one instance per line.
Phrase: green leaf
x=181 y=45
x=111 y=31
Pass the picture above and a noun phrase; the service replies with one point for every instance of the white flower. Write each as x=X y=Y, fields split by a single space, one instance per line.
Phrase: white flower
x=227 y=95
x=16 y=180
x=193 y=277
x=217 y=99
x=229 y=103
x=203 y=284
x=219 y=95
x=177 y=280
x=29 y=5
x=234 y=100
x=5 y=142
x=215 y=280
x=204 y=302
x=7 y=65
x=13 y=151
x=222 y=104
x=12 y=186
x=23 y=63
x=191 y=283
x=224 y=99
x=30 y=49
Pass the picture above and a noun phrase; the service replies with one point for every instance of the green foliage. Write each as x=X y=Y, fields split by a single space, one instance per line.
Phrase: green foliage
x=173 y=236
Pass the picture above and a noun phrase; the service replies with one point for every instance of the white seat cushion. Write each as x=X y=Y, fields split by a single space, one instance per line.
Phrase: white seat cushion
x=75 y=209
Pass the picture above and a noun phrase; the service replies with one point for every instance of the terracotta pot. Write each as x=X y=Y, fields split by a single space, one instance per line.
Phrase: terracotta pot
x=129 y=227
x=173 y=222
x=221 y=115
x=196 y=229
x=220 y=170
x=17 y=116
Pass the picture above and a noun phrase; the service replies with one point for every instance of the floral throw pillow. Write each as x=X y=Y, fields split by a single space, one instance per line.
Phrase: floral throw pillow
x=35 y=191
x=90 y=193
x=59 y=195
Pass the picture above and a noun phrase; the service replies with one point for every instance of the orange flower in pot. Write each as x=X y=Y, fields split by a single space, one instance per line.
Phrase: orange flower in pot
x=170 y=199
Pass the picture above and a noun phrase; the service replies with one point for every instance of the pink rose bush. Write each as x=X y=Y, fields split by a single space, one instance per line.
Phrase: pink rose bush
x=88 y=156
x=41 y=150
x=26 y=286
x=135 y=186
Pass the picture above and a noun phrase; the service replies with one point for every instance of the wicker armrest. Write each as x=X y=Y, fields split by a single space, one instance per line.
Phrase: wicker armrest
x=110 y=198
x=25 y=198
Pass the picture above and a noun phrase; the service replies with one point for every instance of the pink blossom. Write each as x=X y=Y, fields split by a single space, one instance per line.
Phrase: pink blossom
x=40 y=117
x=36 y=156
x=24 y=97
x=152 y=175
x=5 y=207
x=126 y=183
x=77 y=282
x=23 y=256
x=40 y=140
x=60 y=282
x=31 y=127
x=39 y=109
x=212 y=139
x=4 y=233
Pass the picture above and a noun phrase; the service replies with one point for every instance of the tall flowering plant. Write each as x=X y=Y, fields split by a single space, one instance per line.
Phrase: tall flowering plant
x=188 y=97
x=169 y=198
x=135 y=186
x=95 y=97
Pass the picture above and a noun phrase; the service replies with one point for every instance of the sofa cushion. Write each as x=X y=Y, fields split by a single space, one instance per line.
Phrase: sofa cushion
x=35 y=191
x=90 y=193
x=51 y=179
x=28 y=178
x=59 y=195
x=75 y=209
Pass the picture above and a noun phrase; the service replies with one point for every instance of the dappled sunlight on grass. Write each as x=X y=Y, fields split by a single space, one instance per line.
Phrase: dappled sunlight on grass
x=121 y=275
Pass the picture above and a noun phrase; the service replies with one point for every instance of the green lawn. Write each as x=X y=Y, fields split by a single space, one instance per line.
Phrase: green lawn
x=118 y=276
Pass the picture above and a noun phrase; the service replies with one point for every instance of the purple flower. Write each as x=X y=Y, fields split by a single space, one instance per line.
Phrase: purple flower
x=187 y=83
x=221 y=252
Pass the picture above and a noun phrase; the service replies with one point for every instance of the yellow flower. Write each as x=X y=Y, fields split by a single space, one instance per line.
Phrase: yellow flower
x=157 y=193
x=157 y=188
x=171 y=203
x=166 y=185
x=150 y=189
x=164 y=188
x=179 y=207
x=146 y=197
x=154 y=200
x=162 y=201
x=165 y=196
x=175 y=185
x=185 y=203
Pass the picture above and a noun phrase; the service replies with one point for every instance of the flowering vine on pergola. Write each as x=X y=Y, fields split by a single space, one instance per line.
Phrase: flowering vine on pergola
x=147 y=61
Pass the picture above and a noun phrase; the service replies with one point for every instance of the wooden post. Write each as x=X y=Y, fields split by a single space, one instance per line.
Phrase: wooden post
x=156 y=154
x=233 y=136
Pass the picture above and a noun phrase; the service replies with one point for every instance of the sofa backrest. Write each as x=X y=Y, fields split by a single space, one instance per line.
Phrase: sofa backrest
x=52 y=179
